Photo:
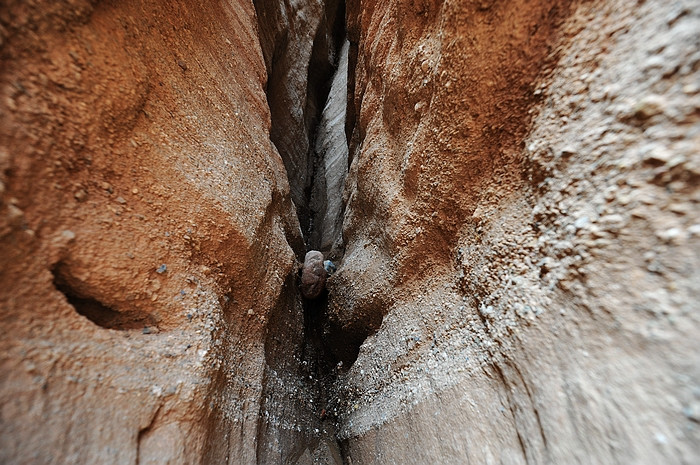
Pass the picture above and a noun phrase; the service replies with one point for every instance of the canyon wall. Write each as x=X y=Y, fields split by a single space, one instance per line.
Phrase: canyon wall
x=331 y=159
x=145 y=231
x=521 y=233
x=517 y=239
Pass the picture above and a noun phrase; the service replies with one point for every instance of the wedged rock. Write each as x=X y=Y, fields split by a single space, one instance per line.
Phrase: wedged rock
x=313 y=275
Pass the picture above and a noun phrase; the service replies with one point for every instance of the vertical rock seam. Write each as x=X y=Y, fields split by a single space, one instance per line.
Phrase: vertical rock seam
x=306 y=57
x=300 y=44
x=331 y=165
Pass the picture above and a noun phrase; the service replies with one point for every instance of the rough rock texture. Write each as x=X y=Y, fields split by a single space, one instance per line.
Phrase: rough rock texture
x=144 y=227
x=518 y=275
x=522 y=233
x=300 y=41
x=331 y=148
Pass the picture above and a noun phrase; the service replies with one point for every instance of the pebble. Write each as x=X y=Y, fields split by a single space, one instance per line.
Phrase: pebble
x=80 y=195
x=15 y=216
x=329 y=266
x=68 y=235
x=613 y=222
x=671 y=235
x=567 y=152
x=649 y=106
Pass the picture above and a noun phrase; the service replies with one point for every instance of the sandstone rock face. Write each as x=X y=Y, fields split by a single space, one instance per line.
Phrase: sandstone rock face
x=517 y=275
x=522 y=242
x=145 y=222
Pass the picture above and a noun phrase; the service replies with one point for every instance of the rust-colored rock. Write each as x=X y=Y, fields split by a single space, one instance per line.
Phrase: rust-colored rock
x=521 y=233
x=139 y=194
x=518 y=270
x=313 y=275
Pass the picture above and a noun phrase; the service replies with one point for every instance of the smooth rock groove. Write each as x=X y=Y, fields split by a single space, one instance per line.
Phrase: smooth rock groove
x=331 y=168
x=300 y=43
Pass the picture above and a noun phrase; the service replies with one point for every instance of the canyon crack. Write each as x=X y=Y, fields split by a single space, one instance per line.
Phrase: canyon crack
x=508 y=192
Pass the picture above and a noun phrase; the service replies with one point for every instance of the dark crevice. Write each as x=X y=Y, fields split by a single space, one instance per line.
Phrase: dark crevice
x=319 y=77
x=302 y=344
x=315 y=348
x=343 y=344
x=293 y=128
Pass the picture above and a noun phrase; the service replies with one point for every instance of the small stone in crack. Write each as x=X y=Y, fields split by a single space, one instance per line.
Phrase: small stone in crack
x=313 y=275
x=329 y=266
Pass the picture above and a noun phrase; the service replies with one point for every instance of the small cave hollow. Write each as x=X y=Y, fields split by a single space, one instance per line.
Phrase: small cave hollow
x=97 y=312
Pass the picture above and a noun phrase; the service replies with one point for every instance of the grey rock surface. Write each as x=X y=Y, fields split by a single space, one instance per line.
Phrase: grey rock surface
x=300 y=52
x=331 y=163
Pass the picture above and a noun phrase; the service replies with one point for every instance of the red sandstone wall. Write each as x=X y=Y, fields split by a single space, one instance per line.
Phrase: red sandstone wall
x=522 y=239
x=136 y=171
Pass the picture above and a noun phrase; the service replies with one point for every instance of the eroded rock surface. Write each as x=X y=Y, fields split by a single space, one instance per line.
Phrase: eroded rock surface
x=331 y=148
x=521 y=233
x=140 y=194
x=517 y=275
x=300 y=43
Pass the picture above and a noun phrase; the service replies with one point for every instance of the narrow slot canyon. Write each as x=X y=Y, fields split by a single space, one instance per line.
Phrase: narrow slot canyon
x=504 y=196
